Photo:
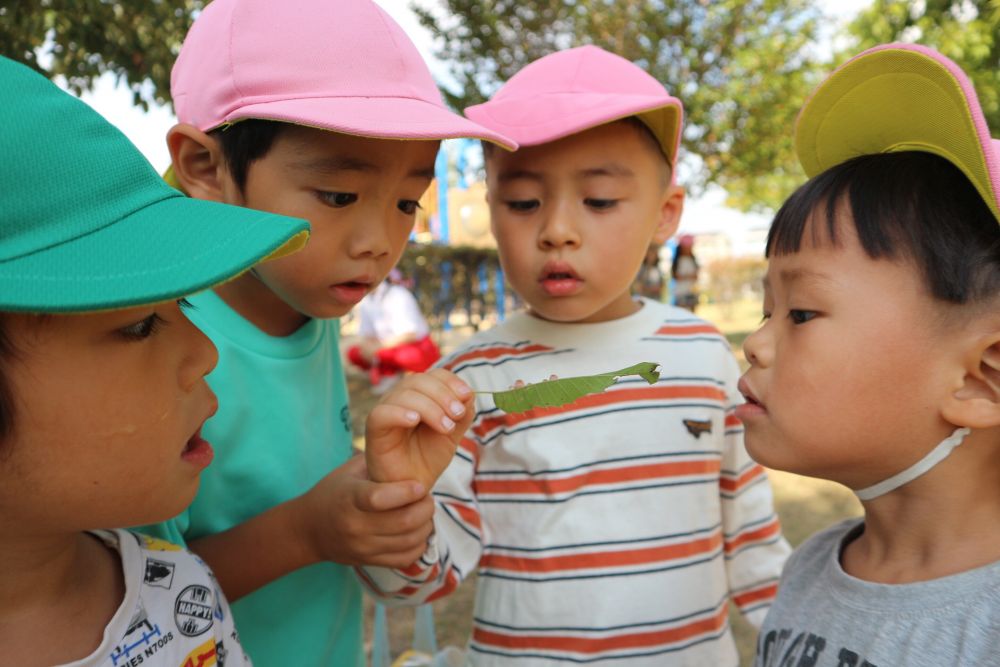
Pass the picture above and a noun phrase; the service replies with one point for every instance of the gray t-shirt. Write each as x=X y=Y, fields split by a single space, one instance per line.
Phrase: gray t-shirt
x=824 y=617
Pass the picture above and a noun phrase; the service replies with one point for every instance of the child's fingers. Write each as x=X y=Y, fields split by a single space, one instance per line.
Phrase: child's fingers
x=416 y=518
x=460 y=391
x=434 y=398
x=462 y=425
x=389 y=496
x=458 y=386
x=408 y=409
x=385 y=418
x=397 y=559
x=400 y=541
x=521 y=383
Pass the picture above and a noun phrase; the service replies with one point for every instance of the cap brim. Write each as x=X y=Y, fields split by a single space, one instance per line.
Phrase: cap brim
x=375 y=117
x=552 y=116
x=867 y=107
x=169 y=249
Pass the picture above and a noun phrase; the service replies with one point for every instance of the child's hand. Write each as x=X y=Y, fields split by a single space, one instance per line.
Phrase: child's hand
x=346 y=518
x=413 y=432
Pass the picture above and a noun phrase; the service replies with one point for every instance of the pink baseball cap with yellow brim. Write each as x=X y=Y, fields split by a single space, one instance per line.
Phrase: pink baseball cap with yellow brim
x=577 y=89
x=339 y=65
x=900 y=97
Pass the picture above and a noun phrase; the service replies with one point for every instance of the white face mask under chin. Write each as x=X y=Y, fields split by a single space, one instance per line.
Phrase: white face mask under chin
x=934 y=457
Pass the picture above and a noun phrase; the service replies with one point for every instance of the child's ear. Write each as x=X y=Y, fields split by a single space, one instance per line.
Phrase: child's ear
x=197 y=162
x=671 y=208
x=976 y=402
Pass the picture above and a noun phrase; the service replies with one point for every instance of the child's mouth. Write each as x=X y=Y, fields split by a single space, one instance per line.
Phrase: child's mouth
x=559 y=280
x=198 y=451
x=752 y=408
x=560 y=284
x=351 y=291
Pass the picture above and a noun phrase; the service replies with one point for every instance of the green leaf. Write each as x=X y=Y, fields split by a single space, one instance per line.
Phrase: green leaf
x=552 y=393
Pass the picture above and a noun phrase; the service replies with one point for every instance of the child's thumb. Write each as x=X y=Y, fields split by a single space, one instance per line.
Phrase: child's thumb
x=379 y=497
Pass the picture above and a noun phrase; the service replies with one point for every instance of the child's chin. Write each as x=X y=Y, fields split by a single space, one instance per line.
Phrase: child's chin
x=755 y=449
x=562 y=313
x=327 y=311
x=167 y=508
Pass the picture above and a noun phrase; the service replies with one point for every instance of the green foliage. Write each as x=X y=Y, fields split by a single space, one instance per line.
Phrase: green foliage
x=967 y=31
x=741 y=67
x=552 y=393
x=137 y=40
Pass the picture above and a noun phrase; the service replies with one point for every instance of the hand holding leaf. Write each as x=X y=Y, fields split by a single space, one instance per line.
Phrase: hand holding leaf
x=413 y=431
x=552 y=393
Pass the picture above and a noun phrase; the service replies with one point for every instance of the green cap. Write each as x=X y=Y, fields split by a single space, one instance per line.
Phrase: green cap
x=86 y=223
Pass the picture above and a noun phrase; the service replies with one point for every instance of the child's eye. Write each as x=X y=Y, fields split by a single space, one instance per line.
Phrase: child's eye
x=408 y=206
x=600 y=204
x=801 y=316
x=185 y=304
x=522 y=205
x=765 y=317
x=337 y=199
x=142 y=329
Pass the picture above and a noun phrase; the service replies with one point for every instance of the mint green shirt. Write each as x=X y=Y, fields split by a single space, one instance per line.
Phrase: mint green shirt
x=282 y=425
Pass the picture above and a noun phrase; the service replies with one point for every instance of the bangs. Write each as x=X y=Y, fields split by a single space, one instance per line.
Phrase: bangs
x=879 y=204
x=903 y=206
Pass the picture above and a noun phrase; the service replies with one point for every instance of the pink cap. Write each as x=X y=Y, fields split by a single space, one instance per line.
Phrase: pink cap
x=340 y=65
x=574 y=90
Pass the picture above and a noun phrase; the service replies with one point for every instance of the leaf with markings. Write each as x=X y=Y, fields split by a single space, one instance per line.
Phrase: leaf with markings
x=553 y=393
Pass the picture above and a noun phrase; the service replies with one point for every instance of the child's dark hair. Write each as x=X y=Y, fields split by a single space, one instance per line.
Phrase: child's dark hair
x=907 y=205
x=245 y=142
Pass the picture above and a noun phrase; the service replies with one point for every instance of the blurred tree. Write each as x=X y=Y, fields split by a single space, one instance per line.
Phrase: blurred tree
x=967 y=31
x=734 y=279
x=741 y=67
x=136 y=40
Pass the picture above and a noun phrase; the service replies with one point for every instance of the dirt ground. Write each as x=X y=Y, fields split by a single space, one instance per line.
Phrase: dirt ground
x=804 y=505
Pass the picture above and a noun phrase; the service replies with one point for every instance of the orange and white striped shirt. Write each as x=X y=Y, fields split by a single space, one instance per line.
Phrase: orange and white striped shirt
x=612 y=531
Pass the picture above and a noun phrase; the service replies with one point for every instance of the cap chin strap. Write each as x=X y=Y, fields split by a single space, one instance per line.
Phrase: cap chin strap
x=934 y=457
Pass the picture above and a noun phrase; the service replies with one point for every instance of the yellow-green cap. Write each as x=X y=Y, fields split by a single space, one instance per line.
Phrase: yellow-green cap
x=899 y=97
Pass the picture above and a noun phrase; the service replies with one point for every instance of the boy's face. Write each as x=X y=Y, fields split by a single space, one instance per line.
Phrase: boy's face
x=573 y=220
x=360 y=196
x=849 y=366
x=108 y=410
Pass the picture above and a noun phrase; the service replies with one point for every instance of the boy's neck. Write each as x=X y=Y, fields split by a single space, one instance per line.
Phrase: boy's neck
x=41 y=586
x=260 y=306
x=938 y=525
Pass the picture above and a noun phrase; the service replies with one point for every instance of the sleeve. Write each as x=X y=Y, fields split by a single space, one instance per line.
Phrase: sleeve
x=755 y=550
x=453 y=551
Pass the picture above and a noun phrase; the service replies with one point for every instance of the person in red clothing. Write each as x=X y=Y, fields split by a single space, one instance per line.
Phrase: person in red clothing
x=395 y=334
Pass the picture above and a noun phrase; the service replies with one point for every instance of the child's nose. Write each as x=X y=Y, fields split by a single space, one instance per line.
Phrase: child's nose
x=758 y=348
x=370 y=237
x=201 y=357
x=559 y=230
